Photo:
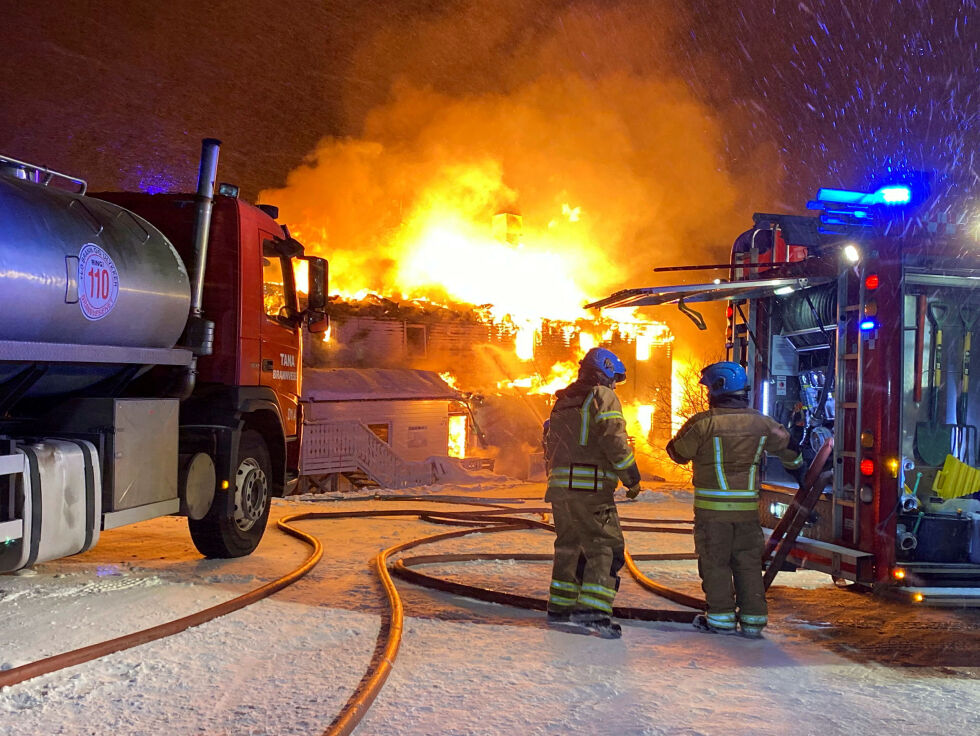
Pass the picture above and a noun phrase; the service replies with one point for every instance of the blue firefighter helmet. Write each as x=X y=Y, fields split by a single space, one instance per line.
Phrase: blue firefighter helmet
x=604 y=365
x=725 y=377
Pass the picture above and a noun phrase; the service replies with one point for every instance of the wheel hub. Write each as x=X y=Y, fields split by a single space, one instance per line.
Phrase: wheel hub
x=251 y=492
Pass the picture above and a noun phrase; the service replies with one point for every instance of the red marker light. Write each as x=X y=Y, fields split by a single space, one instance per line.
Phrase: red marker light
x=871 y=282
x=867 y=467
x=730 y=311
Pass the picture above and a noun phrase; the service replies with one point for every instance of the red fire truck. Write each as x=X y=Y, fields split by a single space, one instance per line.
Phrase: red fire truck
x=132 y=386
x=856 y=326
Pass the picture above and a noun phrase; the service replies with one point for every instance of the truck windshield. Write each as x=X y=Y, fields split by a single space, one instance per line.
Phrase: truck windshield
x=274 y=290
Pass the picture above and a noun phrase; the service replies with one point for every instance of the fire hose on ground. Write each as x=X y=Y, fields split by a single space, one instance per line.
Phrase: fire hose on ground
x=492 y=519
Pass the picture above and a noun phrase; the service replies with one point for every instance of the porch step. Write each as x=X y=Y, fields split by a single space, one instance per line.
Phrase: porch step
x=359 y=479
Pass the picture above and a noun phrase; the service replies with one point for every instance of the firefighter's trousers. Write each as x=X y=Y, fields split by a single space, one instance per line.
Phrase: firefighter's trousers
x=729 y=547
x=589 y=553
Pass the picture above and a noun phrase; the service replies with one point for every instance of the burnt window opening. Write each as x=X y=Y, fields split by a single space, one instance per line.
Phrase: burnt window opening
x=415 y=341
x=381 y=431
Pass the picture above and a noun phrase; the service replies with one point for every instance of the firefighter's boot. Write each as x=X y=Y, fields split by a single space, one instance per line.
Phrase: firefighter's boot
x=598 y=623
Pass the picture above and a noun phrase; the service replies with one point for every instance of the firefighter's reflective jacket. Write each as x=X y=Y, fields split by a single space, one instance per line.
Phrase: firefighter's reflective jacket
x=587 y=449
x=726 y=446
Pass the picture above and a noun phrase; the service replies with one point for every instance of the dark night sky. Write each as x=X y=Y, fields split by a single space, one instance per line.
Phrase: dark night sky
x=121 y=92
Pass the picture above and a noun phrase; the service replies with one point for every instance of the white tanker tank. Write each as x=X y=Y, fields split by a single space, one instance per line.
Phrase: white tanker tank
x=77 y=273
x=93 y=297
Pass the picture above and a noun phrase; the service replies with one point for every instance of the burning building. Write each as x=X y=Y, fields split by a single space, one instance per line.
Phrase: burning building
x=506 y=366
x=465 y=232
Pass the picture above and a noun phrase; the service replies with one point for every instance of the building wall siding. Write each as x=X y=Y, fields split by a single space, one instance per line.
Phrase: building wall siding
x=418 y=429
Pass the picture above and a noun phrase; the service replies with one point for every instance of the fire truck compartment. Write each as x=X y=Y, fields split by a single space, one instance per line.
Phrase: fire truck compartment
x=136 y=434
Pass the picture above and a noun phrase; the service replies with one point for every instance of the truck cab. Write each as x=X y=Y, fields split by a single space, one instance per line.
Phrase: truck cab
x=253 y=375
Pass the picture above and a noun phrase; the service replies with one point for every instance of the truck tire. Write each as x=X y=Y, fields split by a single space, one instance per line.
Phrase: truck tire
x=236 y=520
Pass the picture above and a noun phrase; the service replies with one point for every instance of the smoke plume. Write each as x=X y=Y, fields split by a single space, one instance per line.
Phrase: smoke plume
x=567 y=113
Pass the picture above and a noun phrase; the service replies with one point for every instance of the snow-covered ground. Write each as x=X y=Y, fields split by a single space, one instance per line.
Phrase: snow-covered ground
x=833 y=662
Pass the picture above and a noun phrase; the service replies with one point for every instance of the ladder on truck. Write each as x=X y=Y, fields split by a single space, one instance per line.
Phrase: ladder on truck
x=848 y=401
x=783 y=537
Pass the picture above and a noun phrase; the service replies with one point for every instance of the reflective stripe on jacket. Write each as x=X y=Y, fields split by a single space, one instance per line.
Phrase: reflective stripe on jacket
x=586 y=445
x=726 y=447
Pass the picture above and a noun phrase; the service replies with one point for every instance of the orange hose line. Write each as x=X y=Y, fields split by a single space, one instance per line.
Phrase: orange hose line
x=128 y=641
x=662 y=590
x=366 y=693
x=362 y=698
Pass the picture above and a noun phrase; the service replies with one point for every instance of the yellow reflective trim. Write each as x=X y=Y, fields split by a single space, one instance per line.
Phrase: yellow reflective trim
x=726 y=505
x=595 y=603
x=599 y=590
x=712 y=493
x=610 y=415
x=590 y=486
x=719 y=465
x=561 y=600
x=725 y=617
x=795 y=463
x=583 y=435
x=581 y=472
x=625 y=462
x=755 y=461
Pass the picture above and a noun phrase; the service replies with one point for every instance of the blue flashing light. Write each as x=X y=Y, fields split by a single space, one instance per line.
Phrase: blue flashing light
x=868 y=324
x=894 y=195
x=891 y=195
x=839 y=196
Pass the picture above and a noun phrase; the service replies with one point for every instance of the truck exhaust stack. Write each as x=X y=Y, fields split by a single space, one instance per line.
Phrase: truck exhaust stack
x=202 y=226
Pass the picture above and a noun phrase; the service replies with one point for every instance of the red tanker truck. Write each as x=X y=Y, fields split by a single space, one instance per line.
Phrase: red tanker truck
x=150 y=362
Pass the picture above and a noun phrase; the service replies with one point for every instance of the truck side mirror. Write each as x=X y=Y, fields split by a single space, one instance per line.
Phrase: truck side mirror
x=317 y=297
x=319 y=323
x=316 y=301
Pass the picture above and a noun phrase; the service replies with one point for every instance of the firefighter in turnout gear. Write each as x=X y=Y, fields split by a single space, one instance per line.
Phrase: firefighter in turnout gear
x=726 y=444
x=588 y=453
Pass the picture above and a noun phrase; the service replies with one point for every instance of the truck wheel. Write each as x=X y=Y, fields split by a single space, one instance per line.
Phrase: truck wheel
x=236 y=520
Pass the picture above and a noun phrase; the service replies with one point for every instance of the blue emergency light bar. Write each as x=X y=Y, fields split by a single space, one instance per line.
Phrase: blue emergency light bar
x=845 y=211
x=893 y=194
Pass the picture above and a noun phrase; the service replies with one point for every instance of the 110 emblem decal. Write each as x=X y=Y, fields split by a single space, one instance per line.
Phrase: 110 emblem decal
x=98 y=282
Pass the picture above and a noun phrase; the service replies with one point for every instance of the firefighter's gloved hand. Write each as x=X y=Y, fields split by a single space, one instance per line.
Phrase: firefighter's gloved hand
x=633 y=491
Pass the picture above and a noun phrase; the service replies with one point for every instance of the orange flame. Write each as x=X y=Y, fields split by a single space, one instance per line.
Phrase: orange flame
x=457 y=435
